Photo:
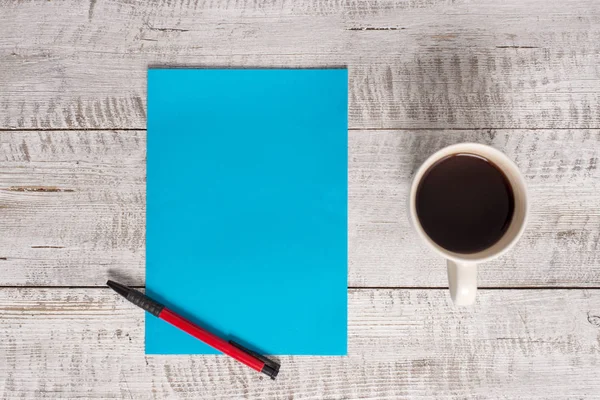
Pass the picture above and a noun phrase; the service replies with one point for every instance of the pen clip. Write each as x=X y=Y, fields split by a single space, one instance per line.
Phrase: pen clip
x=262 y=358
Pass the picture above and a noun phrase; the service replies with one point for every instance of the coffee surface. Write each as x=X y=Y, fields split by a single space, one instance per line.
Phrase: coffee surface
x=464 y=203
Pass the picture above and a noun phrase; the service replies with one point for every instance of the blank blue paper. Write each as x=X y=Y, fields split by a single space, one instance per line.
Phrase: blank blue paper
x=247 y=208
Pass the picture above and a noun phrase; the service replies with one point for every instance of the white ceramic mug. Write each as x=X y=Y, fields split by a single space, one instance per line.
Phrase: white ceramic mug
x=462 y=268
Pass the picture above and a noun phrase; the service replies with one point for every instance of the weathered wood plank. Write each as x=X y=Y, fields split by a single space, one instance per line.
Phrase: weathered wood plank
x=72 y=206
x=67 y=343
x=413 y=64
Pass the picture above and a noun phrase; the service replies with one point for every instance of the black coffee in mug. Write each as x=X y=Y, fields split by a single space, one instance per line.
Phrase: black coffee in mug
x=464 y=203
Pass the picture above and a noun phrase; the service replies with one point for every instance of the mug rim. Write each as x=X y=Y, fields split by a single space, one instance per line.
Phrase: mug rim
x=436 y=156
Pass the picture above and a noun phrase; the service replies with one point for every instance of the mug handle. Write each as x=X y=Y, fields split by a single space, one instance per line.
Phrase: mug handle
x=462 y=280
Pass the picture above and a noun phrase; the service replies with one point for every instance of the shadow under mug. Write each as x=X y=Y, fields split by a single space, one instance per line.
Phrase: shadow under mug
x=462 y=268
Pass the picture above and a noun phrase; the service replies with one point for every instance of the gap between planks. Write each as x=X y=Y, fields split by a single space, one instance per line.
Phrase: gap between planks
x=396 y=128
x=355 y=288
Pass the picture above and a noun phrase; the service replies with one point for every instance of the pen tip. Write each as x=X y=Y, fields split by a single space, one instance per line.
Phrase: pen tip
x=117 y=287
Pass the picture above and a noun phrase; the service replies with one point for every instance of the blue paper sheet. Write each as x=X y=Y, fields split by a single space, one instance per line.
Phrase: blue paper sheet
x=247 y=208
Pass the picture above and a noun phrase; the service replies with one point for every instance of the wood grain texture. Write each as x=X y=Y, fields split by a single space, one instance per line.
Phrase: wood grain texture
x=522 y=75
x=78 y=343
x=72 y=206
x=413 y=64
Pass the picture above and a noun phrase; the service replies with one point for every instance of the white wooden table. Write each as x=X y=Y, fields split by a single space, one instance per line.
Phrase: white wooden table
x=522 y=76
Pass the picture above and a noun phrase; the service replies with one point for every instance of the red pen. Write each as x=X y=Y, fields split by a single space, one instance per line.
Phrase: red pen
x=231 y=348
